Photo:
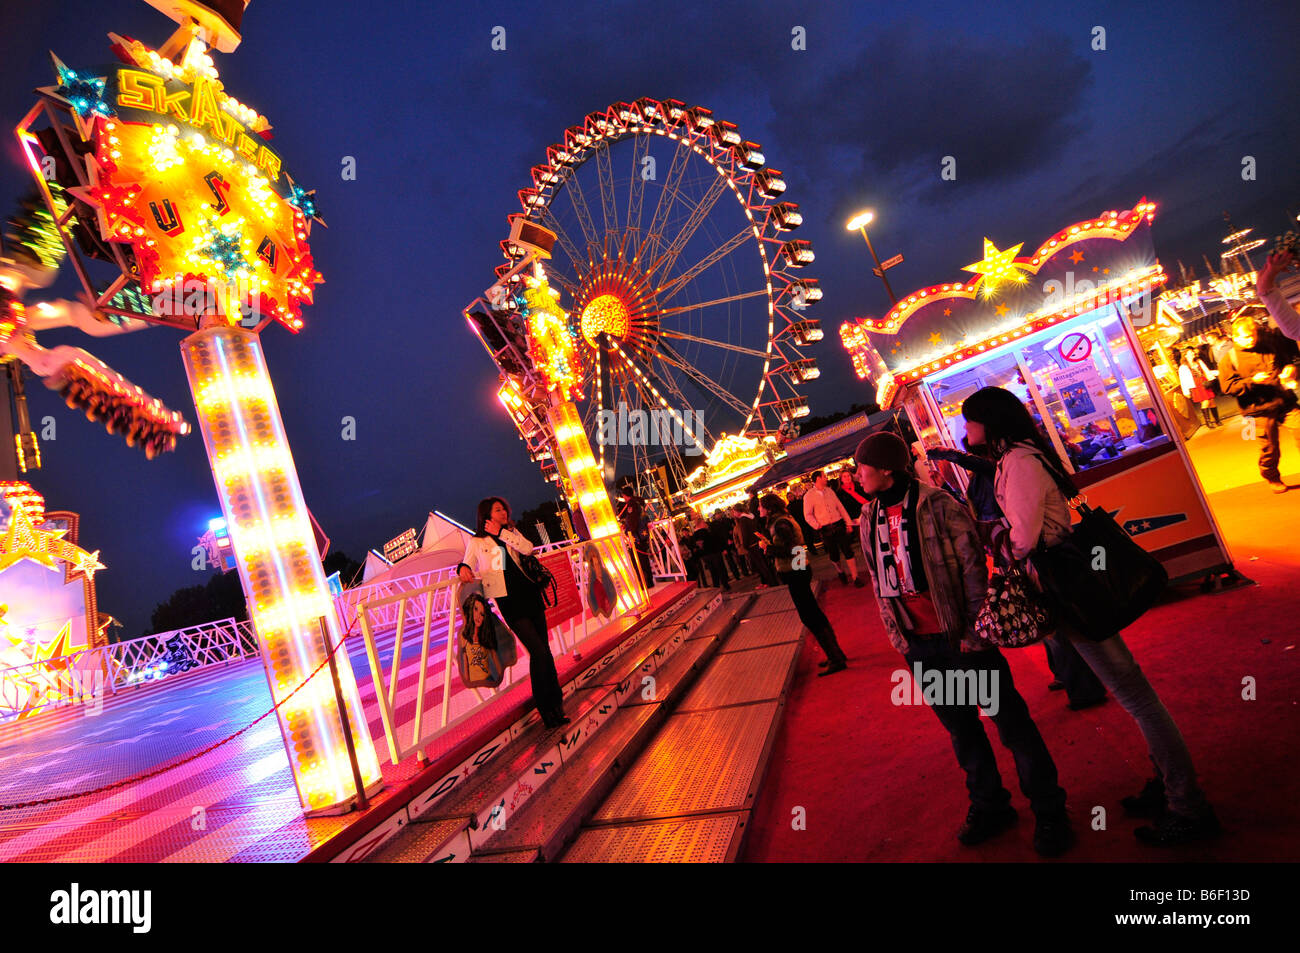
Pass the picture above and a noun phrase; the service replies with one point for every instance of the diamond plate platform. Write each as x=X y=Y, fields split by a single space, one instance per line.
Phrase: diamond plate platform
x=739 y=678
x=700 y=761
x=713 y=838
x=771 y=629
x=417 y=842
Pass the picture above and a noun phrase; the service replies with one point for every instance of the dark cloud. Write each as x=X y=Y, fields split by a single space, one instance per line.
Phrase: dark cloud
x=915 y=94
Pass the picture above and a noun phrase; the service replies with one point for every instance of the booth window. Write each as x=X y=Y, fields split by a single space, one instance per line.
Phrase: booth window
x=1080 y=376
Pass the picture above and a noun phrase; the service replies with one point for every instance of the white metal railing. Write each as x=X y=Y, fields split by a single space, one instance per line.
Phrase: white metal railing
x=74 y=678
x=384 y=613
x=665 y=553
x=434 y=606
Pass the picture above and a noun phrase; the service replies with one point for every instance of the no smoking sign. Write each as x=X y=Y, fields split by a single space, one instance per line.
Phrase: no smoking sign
x=1076 y=347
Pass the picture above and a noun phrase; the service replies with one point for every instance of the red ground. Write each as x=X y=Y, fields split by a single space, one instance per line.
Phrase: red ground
x=880 y=783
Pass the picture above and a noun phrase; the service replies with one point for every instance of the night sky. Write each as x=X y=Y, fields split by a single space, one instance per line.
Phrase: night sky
x=1045 y=132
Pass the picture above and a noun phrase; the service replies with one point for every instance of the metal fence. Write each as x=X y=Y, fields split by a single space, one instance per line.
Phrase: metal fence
x=76 y=678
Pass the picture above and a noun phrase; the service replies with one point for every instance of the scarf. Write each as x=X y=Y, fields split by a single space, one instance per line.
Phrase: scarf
x=897 y=572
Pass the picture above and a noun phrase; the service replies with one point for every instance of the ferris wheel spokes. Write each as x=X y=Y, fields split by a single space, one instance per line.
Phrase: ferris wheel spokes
x=670 y=356
x=664 y=263
x=650 y=397
x=640 y=149
x=667 y=195
x=683 y=336
x=666 y=312
x=675 y=285
x=608 y=203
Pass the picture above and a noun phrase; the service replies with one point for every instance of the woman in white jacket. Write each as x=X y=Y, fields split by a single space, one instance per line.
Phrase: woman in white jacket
x=1038 y=514
x=492 y=556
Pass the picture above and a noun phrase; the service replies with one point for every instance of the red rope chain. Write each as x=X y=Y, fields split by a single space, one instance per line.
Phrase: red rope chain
x=188 y=758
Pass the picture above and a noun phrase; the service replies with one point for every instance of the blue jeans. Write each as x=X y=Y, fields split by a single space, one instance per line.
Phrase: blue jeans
x=1114 y=664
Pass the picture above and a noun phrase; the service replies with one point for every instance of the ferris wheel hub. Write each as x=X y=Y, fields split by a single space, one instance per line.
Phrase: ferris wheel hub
x=607 y=314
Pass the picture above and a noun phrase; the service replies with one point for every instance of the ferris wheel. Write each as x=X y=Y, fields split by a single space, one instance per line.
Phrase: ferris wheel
x=681 y=282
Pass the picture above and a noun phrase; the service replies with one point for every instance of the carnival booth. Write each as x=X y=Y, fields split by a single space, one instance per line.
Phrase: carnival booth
x=1056 y=327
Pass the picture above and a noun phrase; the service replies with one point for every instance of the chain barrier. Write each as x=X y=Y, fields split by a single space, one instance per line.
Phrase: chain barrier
x=135 y=779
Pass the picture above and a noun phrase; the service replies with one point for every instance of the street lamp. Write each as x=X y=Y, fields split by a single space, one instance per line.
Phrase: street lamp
x=859 y=223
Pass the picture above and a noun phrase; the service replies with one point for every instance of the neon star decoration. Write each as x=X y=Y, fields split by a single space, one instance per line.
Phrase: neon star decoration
x=997 y=267
x=82 y=91
x=25 y=540
x=1115 y=225
x=172 y=154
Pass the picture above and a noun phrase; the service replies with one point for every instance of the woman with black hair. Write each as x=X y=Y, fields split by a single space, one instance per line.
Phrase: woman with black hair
x=1039 y=518
x=784 y=543
x=492 y=555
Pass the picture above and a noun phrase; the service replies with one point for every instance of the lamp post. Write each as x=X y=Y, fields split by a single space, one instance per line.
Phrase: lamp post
x=859 y=223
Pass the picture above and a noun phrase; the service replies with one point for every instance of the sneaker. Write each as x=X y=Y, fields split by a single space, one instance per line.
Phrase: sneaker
x=981 y=825
x=832 y=668
x=844 y=578
x=858 y=582
x=1053 y=835
x=1174 y=830
x=1150 y=803
x=1278 y=486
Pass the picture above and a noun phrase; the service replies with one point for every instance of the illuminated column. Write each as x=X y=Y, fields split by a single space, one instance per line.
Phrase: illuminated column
x=278 y=563
x=588 y=494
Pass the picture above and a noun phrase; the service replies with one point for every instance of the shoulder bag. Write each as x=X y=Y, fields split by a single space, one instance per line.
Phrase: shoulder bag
x=1097 y=578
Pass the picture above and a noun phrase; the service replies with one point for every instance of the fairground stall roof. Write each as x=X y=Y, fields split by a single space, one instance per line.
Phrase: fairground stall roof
x=1093 y=263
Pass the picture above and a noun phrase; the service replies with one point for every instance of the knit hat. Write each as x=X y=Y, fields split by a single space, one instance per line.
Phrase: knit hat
x=884 y=451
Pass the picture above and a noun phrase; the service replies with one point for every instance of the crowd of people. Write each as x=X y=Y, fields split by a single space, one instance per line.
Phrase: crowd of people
x=1251 y=357
x=927 y=554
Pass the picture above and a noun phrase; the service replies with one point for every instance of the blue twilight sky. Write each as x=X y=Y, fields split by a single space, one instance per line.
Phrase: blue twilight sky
x=1045 y=132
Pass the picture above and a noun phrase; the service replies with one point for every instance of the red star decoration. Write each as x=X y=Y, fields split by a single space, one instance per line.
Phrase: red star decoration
x=1076 y=256
x=947 y=312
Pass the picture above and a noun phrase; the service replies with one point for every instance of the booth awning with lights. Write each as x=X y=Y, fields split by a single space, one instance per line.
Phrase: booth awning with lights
x=1057 y=328
x=823 y=447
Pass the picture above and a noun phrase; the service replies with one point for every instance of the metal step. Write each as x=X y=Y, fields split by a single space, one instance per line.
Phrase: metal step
x=741 y=678
x=708 y=838
x=699 y=761
x=507 y=857
x=756 y=631
x=468 y=810
x=552 y=817
x=482 y=808
x=684 y=666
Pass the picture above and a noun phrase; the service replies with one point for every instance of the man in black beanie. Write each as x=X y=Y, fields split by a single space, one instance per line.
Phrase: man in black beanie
x=930 y=578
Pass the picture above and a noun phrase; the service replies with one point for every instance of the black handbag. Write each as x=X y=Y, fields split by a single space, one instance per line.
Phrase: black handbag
x=540 y=577
x=1097 y=578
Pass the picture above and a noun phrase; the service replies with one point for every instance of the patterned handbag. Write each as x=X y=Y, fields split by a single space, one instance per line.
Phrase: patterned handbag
x=1014 y=614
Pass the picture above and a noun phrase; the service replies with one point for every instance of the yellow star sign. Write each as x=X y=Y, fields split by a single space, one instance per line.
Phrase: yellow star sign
x=997 y=267
x=25 y=540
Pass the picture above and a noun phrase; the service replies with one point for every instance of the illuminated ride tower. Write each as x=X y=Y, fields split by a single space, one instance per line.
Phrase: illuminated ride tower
x=173 y=182
x=534 y=343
